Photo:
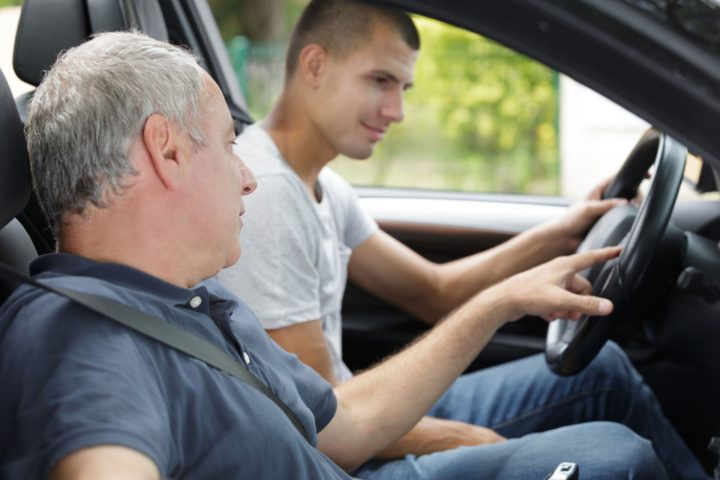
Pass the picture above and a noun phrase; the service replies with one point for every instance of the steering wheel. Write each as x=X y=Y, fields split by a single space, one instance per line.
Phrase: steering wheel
x=572 y=345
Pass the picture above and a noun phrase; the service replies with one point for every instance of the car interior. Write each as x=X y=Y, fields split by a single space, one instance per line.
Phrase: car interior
x=673 y=302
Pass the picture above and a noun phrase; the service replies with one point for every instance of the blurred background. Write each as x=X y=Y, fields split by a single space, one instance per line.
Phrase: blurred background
x=480 y=118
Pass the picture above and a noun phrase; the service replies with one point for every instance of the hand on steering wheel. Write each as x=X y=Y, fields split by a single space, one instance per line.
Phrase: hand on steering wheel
x=571 y=345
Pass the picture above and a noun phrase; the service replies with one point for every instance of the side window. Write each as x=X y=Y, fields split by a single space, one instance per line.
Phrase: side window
x=480 y=118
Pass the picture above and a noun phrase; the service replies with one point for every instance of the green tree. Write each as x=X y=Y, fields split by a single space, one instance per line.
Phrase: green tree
x=257 y=20
x=498 y=106
x=10 y=3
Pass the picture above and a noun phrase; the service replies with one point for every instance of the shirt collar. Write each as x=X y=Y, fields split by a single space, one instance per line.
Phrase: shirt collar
x=68 y=264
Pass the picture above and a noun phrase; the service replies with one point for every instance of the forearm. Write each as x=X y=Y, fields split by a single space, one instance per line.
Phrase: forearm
x=379 y=406
x=561 y=236
x=382 y=404
x=458 y=280
x=429 y=291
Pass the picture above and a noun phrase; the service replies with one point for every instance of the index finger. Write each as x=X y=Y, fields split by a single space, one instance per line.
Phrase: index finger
x=581 y=261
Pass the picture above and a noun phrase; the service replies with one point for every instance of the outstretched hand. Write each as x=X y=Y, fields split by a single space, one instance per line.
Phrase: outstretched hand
x=556 y=290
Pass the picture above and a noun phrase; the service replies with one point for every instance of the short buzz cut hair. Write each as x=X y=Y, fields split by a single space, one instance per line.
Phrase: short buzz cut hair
x=340 y=26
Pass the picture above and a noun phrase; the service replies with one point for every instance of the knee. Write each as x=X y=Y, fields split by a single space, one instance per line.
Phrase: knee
x=628 y=455
x=612 y=362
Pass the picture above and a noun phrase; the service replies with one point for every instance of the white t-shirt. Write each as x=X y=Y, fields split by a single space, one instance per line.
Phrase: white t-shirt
x=295 y=250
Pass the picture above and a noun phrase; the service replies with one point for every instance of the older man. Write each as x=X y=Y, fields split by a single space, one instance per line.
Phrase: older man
x=131 y=150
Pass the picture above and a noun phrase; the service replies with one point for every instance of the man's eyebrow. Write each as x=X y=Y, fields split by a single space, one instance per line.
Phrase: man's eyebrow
x=393 y=78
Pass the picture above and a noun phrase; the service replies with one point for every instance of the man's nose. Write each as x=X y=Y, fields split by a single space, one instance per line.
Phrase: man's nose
x=393 y=108
x=249 y=184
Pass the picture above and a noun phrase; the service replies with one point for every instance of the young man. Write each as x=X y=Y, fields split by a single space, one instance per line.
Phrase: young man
x=348 y=65
x=145 y=197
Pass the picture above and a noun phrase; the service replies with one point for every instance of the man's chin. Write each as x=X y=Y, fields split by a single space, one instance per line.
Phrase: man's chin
x=360 y=154
x=233 y=258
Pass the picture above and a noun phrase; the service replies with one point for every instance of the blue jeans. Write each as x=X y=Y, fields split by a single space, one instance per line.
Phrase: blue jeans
x=595 y=419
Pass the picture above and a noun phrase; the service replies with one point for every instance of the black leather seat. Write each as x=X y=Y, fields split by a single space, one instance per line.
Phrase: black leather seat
x=16 y=248
x=47 y=27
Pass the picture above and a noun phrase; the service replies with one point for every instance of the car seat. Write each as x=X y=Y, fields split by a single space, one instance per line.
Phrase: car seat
x=16 y=248
x=39 y=39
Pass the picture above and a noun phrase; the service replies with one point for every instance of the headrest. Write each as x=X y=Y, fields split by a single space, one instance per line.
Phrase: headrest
x=48 y=27
x=14 y=165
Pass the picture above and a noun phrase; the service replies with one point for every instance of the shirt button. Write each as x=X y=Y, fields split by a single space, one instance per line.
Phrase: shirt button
x=246 y=357
x=195 y=302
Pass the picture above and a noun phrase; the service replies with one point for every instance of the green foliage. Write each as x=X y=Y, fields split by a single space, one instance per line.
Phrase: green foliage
x=480 y=118
x=239 y=17
x=10 y=3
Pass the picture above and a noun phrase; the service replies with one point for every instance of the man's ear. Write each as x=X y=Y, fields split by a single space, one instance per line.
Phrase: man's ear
x=161 y=143
x=311 y=63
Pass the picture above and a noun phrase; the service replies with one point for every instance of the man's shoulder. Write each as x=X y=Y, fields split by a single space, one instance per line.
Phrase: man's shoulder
x=335 y=184
x=38 y=314
x=341 y=195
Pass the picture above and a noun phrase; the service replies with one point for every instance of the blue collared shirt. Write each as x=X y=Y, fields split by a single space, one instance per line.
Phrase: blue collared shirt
x=71 y=378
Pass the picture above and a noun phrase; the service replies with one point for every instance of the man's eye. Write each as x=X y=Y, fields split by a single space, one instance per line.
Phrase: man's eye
x=382 y=81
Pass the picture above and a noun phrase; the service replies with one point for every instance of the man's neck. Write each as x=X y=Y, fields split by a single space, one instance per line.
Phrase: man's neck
x=134 y=248
x=299 y=142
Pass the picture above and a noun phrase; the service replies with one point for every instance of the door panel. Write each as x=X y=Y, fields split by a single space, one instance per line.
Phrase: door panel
x=441 y=227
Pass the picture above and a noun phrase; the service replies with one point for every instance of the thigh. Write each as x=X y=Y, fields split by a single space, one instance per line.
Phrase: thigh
x=602 y=450
x=524 y=396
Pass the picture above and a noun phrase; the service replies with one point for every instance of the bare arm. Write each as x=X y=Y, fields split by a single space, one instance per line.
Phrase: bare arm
x=380 y=405
x=307 y=341
x=106 y=462
x=392 y=271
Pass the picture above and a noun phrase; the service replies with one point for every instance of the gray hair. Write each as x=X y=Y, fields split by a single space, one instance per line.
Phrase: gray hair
x=92 y=104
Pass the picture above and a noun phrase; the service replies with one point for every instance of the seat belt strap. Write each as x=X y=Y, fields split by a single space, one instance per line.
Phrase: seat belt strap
x=160 y=331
